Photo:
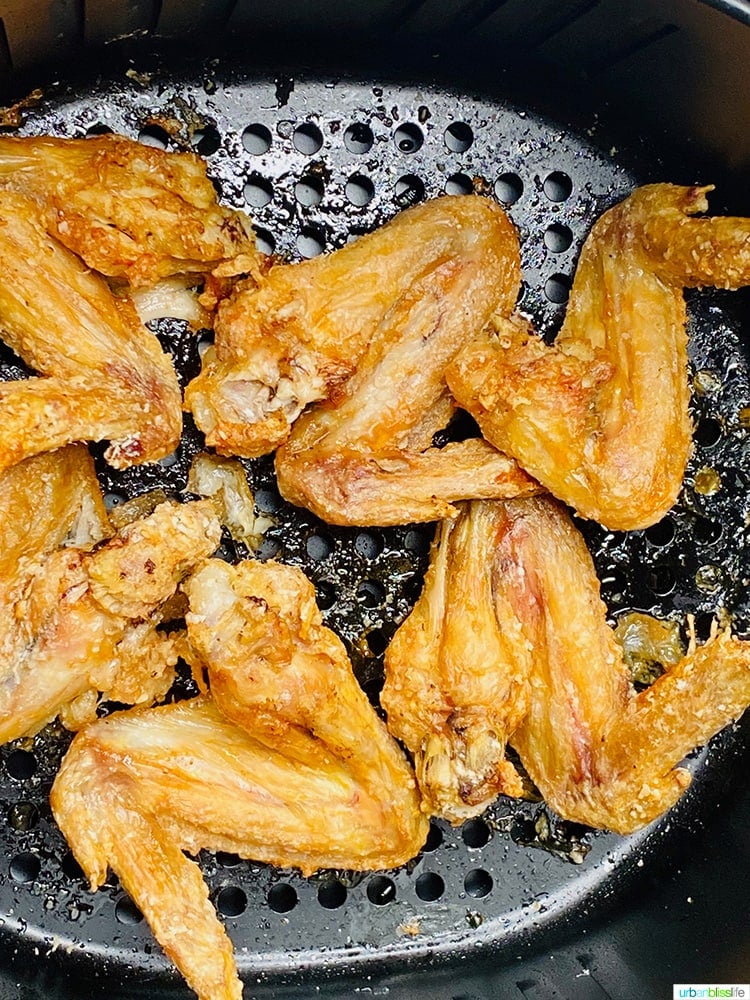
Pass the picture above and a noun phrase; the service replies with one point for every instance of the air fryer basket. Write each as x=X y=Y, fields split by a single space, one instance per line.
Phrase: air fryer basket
x=322 y=120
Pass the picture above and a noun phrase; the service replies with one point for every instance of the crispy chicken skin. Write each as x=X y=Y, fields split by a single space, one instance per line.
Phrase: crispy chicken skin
x=103 y=375
x=299 y=335
x=600 y=753
x=285 y=762
x=456 y=685
x=364 y=456
x=130 y=211
x=75 y=622
x=601 y=417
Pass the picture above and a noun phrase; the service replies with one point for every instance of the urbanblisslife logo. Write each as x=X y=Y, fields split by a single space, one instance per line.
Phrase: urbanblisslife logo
x=697 y=991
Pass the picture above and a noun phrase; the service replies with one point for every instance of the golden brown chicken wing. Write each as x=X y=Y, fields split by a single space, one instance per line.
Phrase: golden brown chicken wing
x=299 y=335
x=535 y=628
x=286 y=762
x=456 y=685
x=73 y=622
x=129 y=210
x=600 y=753
x=601 y=417
x=364 y=457
x=104 y=374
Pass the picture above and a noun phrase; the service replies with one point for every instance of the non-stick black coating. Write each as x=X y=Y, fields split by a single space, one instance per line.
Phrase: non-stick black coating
x=504 y=894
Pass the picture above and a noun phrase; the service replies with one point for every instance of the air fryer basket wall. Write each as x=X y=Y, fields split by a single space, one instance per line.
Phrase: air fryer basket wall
x=629 y=90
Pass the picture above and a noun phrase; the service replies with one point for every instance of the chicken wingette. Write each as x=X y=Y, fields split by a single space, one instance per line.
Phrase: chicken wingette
x=601 y=417
x=456 y=686
x=77 y=622
x=130 y=211
x=535 y=627
x=298 y=335
x=285 y=762
x=365 y=456
x=102 y=374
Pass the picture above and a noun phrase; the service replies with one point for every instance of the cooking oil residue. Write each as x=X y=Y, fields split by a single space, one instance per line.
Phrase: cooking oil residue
x=707 y=481
x=709 y=579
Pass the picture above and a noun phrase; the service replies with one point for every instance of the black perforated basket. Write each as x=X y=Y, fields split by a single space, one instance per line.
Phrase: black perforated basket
x=322 y=120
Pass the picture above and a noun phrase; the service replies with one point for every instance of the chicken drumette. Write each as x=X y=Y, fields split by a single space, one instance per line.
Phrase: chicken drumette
x=77 y=621
x=102 y=374
x=601 y=417
x=522 y=653
x=285 y=762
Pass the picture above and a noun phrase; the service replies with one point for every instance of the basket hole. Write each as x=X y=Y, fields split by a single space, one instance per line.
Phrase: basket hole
x=269 y=548
x=661 y=533
x=707 y=531
x=370 y=593
x=282 y=898
x=359 y=190
x=307 y=138
x=557 y=289
x=417 y=541
x=154 y=135
x=368 y=545
x=70 y=867
x=25 y=867
x=434 y=838
x=478 y=883
x=429 y=887
x=325 y=594
x=377 y=642
x=557 y=186
x=408 y=137
x=708 y=432
x=264 y=241
x=458 y=137
x=311 y=241
x=381 y=890
x=558 y=238
x=268 y=501
x=20 y=764
x=358 y=138
x=459 y=184
x=231 y=901
x=228 y=860
x=257 y=139
x=409 y=190
x=319 y=546
x=258 y=191
x=661 y=580
x=99 y=129
x=475 y=833
x=508 y=188
x=23 y=816
x=309 y=191
x=206 y=141
x=332 y=894
x=126 y=912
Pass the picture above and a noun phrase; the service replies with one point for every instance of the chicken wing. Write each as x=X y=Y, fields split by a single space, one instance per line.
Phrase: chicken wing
x=364 y=457
x=600 y=753
x=299 y=335
x=130 y=211
x=105 y=375
x=74 y=622
x=285 y=762
x=456 y=685
x=601 y=417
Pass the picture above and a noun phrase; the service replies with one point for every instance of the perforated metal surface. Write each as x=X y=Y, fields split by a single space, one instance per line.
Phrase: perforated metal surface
x=315 y=163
